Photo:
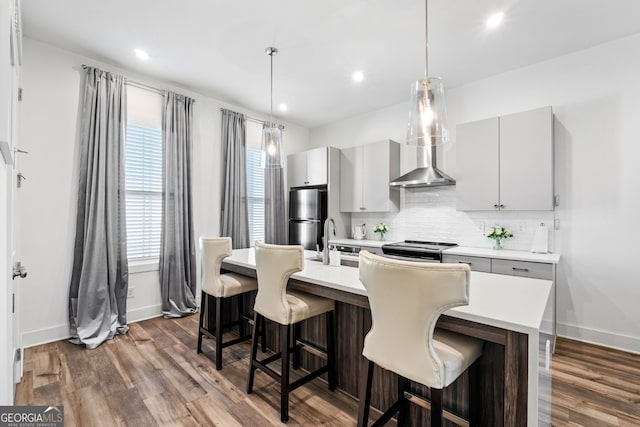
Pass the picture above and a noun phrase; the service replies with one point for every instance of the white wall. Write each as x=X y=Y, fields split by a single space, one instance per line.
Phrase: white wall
x=52 y=79
x=595 y=97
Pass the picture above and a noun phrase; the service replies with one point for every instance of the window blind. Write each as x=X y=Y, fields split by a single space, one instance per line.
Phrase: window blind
x=143 y=186
x=255 y=194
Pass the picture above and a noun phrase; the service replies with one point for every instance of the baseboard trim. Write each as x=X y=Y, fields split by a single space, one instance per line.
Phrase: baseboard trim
x=602 y=338
x=61 y=332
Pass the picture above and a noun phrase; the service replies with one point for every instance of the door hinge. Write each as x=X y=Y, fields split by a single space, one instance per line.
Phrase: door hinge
x=19 y=94
x=556 y=200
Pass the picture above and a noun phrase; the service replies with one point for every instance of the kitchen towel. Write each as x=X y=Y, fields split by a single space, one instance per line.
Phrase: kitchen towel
x=541 y=239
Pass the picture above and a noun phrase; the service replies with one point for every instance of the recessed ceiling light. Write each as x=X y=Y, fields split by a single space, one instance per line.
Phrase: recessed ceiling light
x=494 y=20
x=283 y=107
x=141 y=54
x=358 y=76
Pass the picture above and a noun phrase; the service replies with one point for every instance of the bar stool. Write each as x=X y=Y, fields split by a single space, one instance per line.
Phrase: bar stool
x=406 y=299
x=274 y=265
x=219 y=287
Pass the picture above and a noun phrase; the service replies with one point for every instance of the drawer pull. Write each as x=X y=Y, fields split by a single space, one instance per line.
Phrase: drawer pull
x=520 y=269
x=463 y=262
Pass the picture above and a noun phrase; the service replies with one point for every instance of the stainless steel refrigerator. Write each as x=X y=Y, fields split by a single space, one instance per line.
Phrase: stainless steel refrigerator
x=307 y=212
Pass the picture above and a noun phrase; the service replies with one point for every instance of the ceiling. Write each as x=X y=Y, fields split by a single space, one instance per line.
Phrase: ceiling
x=216 y=47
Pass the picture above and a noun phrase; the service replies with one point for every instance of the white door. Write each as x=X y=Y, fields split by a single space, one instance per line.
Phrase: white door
x=351 y=170
x=10 y=344
x=477 y=174
x=317 y=166
x=526 y=160
x=376 y=177
x=297 y=169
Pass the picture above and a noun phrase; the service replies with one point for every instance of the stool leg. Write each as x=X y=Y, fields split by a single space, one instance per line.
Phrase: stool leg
x=331 y=351
x=219 y=333
x=436 y=407
x=201 y=323
x=296 y=352
x=474 y=395
x=263 y=336
x=241 y=330
x=366 y=375
x=254 y=351
x=284 y=377
x=403 y=413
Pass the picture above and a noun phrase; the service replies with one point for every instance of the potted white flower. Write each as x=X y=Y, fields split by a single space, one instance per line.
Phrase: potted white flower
x=381 y=228
x=497 y=234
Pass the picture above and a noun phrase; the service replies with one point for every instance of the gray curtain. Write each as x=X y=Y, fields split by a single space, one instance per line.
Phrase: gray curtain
x=99 y=280
x=235 y=216
x=177 y=245
x=275 y=214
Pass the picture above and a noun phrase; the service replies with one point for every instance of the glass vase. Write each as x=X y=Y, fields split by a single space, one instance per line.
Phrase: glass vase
x=382 y=236
x=497 y=244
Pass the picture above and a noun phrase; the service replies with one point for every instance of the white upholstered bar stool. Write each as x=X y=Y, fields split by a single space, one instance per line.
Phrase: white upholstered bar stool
x=219 y=287
x=274 y=265
x=406 y=300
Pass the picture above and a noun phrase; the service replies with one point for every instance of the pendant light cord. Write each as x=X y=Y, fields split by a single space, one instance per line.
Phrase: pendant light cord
x=271 y=51
x=426 y=39
x=271 y=99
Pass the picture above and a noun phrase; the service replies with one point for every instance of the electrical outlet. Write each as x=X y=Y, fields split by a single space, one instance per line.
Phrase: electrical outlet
x=131 y=293
x=522 y=227
x=480 y=226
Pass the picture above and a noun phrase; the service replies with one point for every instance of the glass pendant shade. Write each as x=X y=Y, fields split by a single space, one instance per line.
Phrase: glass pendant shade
x=272 y=153
x=427 y=114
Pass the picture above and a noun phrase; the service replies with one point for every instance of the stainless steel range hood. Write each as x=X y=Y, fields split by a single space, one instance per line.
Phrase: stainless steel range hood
x=426 y=174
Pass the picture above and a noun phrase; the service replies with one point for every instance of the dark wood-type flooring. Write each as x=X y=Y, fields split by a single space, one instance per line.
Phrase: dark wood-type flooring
x=153 y=376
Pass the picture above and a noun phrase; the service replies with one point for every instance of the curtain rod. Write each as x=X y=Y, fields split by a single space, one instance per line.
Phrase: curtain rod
x=139 y=85
x=251 y=119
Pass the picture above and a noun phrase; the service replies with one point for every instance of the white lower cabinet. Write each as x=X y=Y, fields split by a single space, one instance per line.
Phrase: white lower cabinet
x=536 y=270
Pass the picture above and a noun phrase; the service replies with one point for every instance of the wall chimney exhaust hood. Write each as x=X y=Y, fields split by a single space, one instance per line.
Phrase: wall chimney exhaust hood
x=426 y=174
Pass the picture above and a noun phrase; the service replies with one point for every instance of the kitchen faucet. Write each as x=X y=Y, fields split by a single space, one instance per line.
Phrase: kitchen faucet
x=325 y=240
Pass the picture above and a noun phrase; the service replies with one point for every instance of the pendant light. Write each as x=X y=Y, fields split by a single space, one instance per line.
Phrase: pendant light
x=272 y=153
x=427 y=110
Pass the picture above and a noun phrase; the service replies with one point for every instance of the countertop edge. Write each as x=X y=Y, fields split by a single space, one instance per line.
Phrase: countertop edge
x=549 y=258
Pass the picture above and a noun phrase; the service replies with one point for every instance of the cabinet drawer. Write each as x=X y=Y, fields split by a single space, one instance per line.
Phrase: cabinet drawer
x=535 y=270
x=476 y=263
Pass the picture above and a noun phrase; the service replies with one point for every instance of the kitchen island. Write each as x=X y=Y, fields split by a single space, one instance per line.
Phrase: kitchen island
x=505 y=311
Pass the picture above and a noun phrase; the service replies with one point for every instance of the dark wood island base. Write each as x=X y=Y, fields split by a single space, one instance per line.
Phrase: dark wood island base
x=503 y=366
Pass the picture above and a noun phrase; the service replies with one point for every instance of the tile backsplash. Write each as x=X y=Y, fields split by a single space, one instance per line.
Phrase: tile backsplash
x=430 y=214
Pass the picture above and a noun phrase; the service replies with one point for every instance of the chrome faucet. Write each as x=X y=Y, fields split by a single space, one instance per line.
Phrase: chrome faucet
x=325 y=240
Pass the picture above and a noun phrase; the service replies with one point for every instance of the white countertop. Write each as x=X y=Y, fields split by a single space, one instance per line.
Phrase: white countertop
x=504 y=254
x=363 y=242
x=508 y=302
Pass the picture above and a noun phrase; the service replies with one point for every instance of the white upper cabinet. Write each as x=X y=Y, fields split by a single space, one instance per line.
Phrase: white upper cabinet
x=506 y=163
x=478 y=172
x=307 y=168
x=526 y=161
x=365 y=172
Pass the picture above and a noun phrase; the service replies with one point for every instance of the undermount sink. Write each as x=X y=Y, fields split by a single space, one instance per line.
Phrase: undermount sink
x=344 y=262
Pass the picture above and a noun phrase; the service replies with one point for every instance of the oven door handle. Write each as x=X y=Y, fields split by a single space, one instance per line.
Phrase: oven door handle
x=414 y=259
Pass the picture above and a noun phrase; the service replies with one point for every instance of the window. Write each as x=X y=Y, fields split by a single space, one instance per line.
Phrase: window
x=143 y=185
x=255 y=183
x=143 y=173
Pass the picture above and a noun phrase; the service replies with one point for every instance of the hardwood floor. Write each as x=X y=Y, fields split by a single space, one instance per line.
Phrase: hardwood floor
x=594 y=386
x=153 y=376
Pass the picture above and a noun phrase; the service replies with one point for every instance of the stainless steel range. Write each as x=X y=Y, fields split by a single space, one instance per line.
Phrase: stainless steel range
x=416 y=250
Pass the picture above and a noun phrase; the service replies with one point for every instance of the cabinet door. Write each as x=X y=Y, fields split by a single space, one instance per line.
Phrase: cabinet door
x=351 y=179
x=297 y=169
x=375 y=180
x=477 y=172
x=317 y=166
x=526 y=160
